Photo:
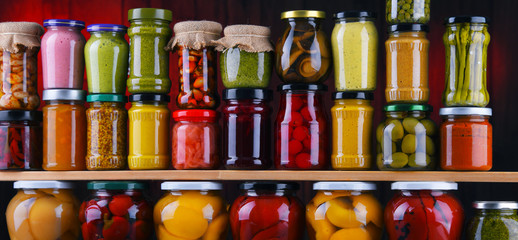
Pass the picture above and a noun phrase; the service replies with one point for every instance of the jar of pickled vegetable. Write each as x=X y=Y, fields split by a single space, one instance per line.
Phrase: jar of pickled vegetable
x=64 y=130
x=191 y=210
x=344 y=210
x=494 y=220
x=424 y=210
x=43 y=210
x=466 y=41
x=267 y=210
x=303 y=53
x=406 y=139
x=408 y=11
x=301 y=140
x=351 y=117
x=466 y=139
x=107 y=125
x=407 y=64
x=116 y=210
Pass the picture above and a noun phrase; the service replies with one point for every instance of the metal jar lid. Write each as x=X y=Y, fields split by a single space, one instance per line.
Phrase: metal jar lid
x=424 y=186
x=42 y=185
x=351 y=186
x=495 y=205
x=64 y=94
x=465 y=111
x=191 y=186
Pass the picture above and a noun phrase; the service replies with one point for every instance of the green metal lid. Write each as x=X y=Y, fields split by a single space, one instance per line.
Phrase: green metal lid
x=150 y=13
x=115 y=185
x=408 y=107
x=106 y=98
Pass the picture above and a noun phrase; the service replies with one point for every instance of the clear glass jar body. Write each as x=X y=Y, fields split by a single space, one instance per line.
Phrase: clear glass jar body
x=404 y=11
x=494 y=224
x=21 y=145
x=242 y=69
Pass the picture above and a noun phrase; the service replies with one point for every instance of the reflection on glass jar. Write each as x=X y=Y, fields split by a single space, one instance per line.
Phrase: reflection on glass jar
x=495 y=220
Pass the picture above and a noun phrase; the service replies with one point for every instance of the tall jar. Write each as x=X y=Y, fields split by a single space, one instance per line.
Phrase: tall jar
x=493 y=220
x=267 y=210
x=246 y=128
x=407 y=64
x=62 y=54
x=408 y=11
x=466 y=41
x=303 y=53
x=355 y=51
x=64 y=130
x=107 y=125
x=43 y=210
x=301 y=132
x=149 y=33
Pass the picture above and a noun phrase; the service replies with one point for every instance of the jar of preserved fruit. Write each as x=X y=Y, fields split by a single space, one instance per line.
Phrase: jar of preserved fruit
x=466 y=139
x=43 y=210
x=355 y=51
x=107 y=125
x=303 y=53
x=64 y=129
x=466 y=41
x=191 y=210
x=149 y=33
x=267 y=210
x=344 y=210
x=116 y=210
x=408 y=11
x=301 y=128
x=352 y=117
x=149 y=119
x=407 y=64
x=406 y=139
x=494 y=220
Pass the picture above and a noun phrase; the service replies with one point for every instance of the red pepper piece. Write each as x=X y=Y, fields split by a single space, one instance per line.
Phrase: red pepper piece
x=144 y=211
x=296 y=119
x=296 y=104
x=82 y=209
x=294 y=147
x=306 y=114
x=116 y=229
x=14 y=134
x=120 y=204
x=140 y=230
x=300 y=133
x=303 y=160
x=93 y=212
x=307 y=143
x=277 y=231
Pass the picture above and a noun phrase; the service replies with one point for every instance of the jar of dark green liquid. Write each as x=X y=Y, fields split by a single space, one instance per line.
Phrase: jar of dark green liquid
x=494 y=221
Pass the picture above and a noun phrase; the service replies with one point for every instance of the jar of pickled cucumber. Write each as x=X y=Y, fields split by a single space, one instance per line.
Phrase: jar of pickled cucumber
x=408 y=11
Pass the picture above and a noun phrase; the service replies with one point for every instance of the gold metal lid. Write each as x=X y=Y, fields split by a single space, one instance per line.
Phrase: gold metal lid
x=303 y=14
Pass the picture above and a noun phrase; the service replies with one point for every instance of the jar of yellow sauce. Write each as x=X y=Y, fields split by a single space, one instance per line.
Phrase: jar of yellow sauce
x=149 y=120
x=352 y=127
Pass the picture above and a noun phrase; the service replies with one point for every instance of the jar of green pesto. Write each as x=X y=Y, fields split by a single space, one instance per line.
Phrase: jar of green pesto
x=494 y=221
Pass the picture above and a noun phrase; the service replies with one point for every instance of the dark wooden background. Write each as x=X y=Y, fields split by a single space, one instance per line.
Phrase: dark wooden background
x=502 y=61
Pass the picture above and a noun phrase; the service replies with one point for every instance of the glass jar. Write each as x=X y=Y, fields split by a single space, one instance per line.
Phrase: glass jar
x=352 y=117
x=406 y=139
x=107 y=125
x=267 y=210
x=43 y=210
x=424 y=210
x=303 y=53
x=191 y=210
x=62 y=54
x=493 y=221
x=344 y=210
x=355 y=51
x=466 y=139
x=301 y=128
x=116 y=210
x=64 y=130
x=407 y=64
x=149 y=33
x=408 y=11
x=242 y=69
x=466 y=41
x=106 y=54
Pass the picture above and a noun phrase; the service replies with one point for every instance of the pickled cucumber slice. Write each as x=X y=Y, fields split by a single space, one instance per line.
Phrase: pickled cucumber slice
x=399 y=160
x=409 y=144
x=395 y=129
x=430 y=127
x=410 y=124
x=419 y=160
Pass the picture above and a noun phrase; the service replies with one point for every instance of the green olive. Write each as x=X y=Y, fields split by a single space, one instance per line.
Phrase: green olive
x=409 y=144
x=379 y=161
x=393 y=147
x=399 y=160
x=430 y=127
x=430 y=146
x=379 y=132
x=409 y=124
x=396 y=128
x=419 y=160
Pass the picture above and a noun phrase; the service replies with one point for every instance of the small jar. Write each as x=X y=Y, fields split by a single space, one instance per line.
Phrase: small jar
x=195 y=140
x=466 y=139
x=344 y=210
x=116 y=210
x=43 y=210
x=301 y=128
x=408 y=11
x=424 y=210
x=303 y=53
x=351 y=118
x=149 y=119
x=107 y=125
x=246 y=128
x=64 y=130
x=267 y=210
x=191 y=210
x=62 y=54
x=406 y=139
x=407 y=64
x=493 y=220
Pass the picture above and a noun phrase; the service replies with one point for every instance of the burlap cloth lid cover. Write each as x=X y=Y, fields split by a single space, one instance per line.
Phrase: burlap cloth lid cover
x=15 y=36
x=195 y=34
x=250 y=38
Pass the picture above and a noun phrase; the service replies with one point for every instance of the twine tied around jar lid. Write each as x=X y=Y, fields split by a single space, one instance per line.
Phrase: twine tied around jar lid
x=195 y=34
x=249 y=38
x=16 y=36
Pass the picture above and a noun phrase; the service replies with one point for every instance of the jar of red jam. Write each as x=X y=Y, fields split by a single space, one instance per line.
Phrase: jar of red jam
x=424 y=210
x=246 y=128
x=267 y=210
x=301 y=128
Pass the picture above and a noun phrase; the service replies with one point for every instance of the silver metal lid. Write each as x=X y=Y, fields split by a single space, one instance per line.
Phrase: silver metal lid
x=191 y=186
x=465 y=111
x=352 y=186
x=495 y=205
x=424 y=186
x=42 y=185
x=64 y=94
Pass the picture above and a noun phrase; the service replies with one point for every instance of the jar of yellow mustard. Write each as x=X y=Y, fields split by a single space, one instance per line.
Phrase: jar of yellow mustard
x=149 y=119
x=352 y=127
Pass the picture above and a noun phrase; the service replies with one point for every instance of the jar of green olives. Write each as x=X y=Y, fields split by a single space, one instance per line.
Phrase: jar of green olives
x=408 y=11
x=406 y=139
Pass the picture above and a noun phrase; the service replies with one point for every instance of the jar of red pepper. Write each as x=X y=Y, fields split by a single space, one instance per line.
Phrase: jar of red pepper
x=301 y=128
x=267 y=210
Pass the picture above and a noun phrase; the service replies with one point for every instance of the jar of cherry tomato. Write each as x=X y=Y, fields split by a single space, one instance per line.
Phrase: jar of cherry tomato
x=116 y=210
x=267 y=210
x=424 y=210
x=246 y=128
x=301 y=128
